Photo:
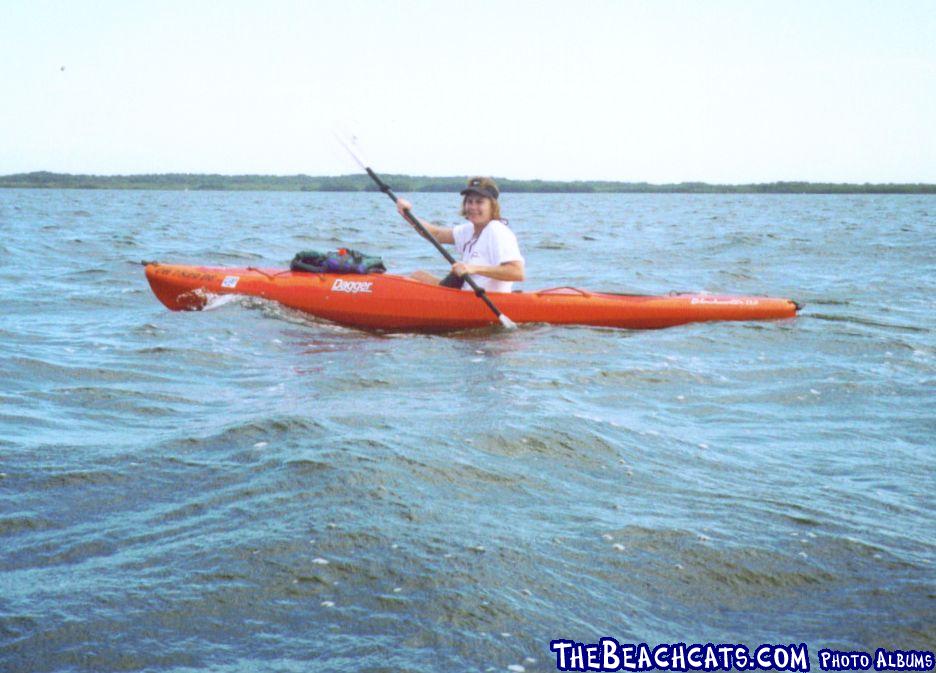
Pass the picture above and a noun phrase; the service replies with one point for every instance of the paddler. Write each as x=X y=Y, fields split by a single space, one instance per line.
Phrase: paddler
x=488 y=248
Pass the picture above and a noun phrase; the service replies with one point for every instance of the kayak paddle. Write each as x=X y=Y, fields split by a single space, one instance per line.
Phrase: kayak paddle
x=355 y=152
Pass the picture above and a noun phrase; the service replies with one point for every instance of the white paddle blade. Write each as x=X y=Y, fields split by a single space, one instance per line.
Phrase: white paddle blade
x=507 y=322
x=350 y=142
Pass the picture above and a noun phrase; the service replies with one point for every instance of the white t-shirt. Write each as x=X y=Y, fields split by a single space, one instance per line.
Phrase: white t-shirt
x=496 y=245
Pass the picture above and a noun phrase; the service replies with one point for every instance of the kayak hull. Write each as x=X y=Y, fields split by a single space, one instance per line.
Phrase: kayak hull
x=393 y=303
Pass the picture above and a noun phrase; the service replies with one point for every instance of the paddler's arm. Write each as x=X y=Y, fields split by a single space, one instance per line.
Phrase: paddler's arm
x=441 y=234
x=509 y=271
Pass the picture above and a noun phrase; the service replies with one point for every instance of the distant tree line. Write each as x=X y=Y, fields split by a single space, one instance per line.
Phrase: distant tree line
x=410 y=183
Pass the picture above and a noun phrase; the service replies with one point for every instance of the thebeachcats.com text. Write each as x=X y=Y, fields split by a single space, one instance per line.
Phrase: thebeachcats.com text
x=610 y=655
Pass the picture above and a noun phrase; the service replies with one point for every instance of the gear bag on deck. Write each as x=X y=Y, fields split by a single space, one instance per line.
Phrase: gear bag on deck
x=343 y=260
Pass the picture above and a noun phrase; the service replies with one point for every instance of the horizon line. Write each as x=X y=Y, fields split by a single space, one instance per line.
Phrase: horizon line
x=362 y=176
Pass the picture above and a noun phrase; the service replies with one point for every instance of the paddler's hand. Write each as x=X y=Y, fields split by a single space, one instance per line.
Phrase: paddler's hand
x=440 y=234
x=403 y=204
x=460 y=269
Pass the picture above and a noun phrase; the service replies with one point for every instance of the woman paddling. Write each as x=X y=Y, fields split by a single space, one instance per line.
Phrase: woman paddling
x=488 y=248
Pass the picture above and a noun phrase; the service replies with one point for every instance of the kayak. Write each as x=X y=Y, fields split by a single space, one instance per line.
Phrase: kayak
x=391 y=303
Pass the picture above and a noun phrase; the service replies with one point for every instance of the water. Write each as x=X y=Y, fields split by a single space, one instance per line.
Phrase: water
x=247 y=488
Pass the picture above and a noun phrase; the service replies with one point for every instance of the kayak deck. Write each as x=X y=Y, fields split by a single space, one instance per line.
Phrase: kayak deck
x=388 y=302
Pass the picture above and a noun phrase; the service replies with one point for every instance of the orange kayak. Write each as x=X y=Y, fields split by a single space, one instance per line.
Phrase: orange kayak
x=398 y=304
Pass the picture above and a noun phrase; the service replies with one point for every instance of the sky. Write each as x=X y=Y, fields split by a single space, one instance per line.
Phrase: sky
x=716 y=91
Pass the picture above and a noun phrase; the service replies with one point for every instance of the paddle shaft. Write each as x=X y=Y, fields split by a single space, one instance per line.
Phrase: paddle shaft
x=412 y=218
x=438 y=246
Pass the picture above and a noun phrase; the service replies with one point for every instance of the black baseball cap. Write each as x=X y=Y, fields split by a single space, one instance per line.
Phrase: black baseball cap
x=483 y=187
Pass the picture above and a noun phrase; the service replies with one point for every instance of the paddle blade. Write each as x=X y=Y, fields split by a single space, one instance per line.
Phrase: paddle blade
x=507 y=322
x=350 y=142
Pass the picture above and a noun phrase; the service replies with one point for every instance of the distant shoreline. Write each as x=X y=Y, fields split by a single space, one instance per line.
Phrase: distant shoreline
x=409 y=183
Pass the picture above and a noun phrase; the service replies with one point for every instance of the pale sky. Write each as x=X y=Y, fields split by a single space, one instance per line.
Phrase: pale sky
x=662 y=91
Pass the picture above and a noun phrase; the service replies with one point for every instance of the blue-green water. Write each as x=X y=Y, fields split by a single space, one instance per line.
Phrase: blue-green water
x=249 y=489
